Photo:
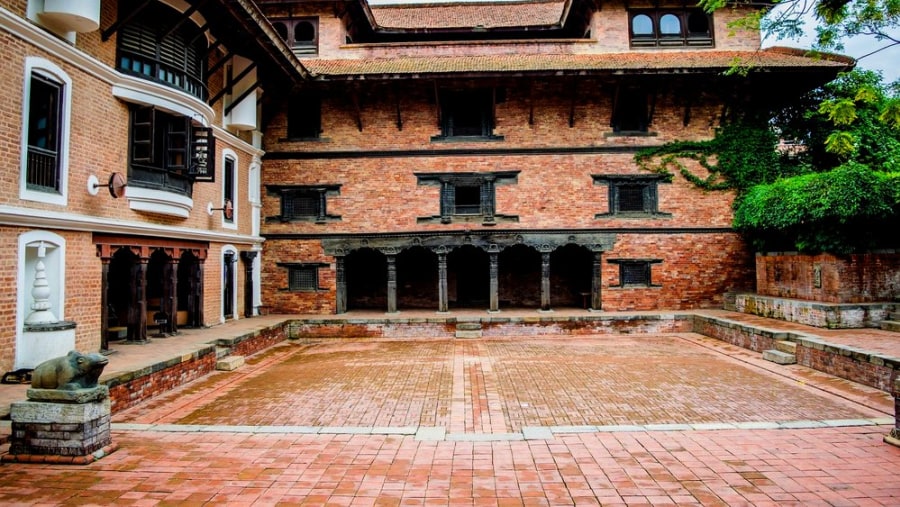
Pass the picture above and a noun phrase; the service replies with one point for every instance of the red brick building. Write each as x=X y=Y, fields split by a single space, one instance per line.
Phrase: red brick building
x=436 y=156
x=481 y=155
x=127 y=126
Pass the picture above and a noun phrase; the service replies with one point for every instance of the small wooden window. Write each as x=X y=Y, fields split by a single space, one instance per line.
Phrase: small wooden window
x=303 y=278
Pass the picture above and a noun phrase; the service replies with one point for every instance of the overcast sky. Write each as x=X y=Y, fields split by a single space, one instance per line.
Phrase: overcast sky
x=888 y=61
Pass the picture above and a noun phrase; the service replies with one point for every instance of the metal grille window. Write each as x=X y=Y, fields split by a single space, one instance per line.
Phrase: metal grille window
x=44 y=115
x=635 y=272
x=303 y=278
x=631 y=195
x=300 y=204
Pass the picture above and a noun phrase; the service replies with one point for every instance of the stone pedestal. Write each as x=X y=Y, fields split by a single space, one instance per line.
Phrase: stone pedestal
x=893 y=437
x=57 y=426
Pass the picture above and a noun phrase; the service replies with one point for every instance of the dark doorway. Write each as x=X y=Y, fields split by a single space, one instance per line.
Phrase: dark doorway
x=228 y=261
x=417 y=278
x=366 y=272
x=160 y=293
x=190 y=282
x=570 y=276
x=520 y=277
x=468 y=277
x=119 y=294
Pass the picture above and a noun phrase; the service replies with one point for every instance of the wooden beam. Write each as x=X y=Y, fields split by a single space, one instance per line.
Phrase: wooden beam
x=186 y=15
x=123 y=21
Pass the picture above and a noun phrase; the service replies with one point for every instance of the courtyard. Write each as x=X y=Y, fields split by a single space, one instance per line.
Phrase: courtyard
x=661 y=419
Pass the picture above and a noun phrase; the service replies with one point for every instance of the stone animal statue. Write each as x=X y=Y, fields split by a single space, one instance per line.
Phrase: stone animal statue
x=72 y=371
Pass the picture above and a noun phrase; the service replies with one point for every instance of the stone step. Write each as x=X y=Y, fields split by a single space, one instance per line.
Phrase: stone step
x=468 y=334
x=779 y=357
x=468 y=326
x=786 y=346
x=230 y=363
x=895 y=315
x=890 y=325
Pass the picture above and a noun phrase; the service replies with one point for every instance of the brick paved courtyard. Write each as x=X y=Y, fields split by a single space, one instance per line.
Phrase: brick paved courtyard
x=610 y=420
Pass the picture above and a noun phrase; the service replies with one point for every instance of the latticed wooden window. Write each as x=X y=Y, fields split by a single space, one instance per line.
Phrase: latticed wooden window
x=303 y=278
x=634 y=273
x=632 y=197
x=301 y=204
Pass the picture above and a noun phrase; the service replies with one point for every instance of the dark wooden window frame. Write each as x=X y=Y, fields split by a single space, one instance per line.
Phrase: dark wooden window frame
x=304 y=120
x=164 y=149
x=302 y=276
x=467 y=114
x=686 y=37
x=45 y=117
x=619 y=207
x=306 y=47
x=454 y=209
x=635 y=273
x=316 y=194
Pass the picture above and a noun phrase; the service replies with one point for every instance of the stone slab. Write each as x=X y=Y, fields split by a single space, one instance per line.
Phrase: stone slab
x=468 y=334
x=230 y=363
x=60 y=413
x=98 y=393
x=779 y=357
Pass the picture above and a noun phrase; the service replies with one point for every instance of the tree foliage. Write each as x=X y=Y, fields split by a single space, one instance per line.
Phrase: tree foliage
x=839 y=193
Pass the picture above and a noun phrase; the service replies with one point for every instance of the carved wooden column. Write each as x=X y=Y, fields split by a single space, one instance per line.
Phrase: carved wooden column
x=494 y=281
x=137 y=322
x=340 y=280
x=391 y=283
x=248 y=258
x=443 y=306
x=448 y=197
x=596 y=274
x=170 y=293
x=545 y=281
x=199 y=274
x=487 y=200
x=104 y=298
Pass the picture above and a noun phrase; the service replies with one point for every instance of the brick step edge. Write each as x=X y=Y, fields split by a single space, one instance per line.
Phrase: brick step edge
x=890 y=325
x=779 y=357
x=60 y=460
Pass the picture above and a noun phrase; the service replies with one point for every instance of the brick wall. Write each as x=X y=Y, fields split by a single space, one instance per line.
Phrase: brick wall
x=856 y=278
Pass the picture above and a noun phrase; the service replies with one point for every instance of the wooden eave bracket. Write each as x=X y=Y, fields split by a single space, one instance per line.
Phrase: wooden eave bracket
x=230 y=85
x=184 y=17
x=123 y=21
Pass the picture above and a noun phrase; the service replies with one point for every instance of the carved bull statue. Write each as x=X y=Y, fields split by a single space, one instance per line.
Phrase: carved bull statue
x=72 y=371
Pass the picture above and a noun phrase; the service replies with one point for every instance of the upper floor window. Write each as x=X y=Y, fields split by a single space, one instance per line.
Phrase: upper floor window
x=670 y=27
x=168 y=152
x=467 y=113
x=468 y=196
x=157 y=45
x=630 y=115
x=301 y=34
x=304 y=119
x=229 y=187
x=305 y=203
x=631 y=195
x=45 y=132
x=44 y=115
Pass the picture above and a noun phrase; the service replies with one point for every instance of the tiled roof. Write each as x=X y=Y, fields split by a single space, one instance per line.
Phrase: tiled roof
x=633 y=62
x=468 y=15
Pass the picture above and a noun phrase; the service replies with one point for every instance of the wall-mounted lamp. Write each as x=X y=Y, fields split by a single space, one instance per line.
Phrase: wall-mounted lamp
x=116 y=185
x=227 y=209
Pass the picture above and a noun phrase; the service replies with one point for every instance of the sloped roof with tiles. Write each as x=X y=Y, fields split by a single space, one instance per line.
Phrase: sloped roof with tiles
x=663 y=62
x=469 y=15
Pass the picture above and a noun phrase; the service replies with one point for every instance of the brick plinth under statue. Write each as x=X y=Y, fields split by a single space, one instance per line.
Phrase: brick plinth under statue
x=66 y=418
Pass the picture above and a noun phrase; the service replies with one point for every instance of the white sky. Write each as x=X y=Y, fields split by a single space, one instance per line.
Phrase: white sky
x=888 y=61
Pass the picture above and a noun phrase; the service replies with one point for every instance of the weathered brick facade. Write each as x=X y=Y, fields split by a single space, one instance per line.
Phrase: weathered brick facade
x=855 y=278
x=96 y=96
x=553 y=135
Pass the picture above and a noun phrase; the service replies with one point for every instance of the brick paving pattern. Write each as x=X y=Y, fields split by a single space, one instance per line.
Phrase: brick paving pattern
x=685 y=420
